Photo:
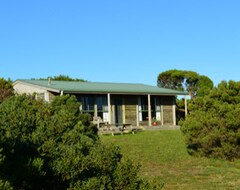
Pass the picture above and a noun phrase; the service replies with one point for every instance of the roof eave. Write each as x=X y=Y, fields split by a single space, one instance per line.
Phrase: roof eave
x=123 y=93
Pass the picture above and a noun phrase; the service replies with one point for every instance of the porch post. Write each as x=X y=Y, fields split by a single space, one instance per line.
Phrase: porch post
x=174 y=111
x=109 y=108
x=95 y=107
x=46 y=96
x=149 y=111
x=185 y=97
x=162 y=111
x=137 y=110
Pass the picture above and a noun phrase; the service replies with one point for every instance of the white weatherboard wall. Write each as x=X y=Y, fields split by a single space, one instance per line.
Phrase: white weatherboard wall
x=21 y=88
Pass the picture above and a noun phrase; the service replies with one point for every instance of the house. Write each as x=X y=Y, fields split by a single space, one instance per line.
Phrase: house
x=114 y=103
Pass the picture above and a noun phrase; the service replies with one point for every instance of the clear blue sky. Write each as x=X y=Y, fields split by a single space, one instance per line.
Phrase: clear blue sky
x=119 y=40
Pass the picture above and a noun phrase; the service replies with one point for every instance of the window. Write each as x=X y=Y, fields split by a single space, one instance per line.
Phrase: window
x=143 y=109
x=88 y=105
x=155 y=108
x=102 y=106
x=40 y=96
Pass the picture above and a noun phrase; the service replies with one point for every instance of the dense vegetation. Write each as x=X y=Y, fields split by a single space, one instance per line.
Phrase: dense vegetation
x=212 y=128
x=63 y=78
x=53 y=146
x=194 y=83
x=6 y=89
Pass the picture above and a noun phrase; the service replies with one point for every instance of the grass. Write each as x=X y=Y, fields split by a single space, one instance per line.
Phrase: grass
x=163 y=153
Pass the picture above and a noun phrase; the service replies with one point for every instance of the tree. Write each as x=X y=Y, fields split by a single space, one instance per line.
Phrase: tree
x=172 y=79
x=195 y=84
x=54 y=146
x=63 y=78
x=17 y=122
x=212 y=129
x=191 y=83
x=6 y=89
x=205 y=86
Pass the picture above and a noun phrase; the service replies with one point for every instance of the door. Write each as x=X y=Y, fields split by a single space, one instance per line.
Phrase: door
x=118 y=115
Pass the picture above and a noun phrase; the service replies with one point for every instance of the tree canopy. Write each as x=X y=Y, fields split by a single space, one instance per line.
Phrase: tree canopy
x=63 y=78
x=212 y=128
x=195 y=84
x=6 y=89
x=54 y=146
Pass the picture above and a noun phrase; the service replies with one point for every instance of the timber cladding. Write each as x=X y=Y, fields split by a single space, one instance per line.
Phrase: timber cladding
x=130 y=109
x=167 y=104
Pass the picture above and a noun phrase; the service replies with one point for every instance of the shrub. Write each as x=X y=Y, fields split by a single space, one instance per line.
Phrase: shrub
x=6 y=89
x=54 y=146
x=213 y=128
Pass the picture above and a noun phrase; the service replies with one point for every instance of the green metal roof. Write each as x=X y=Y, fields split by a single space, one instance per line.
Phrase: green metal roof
x=98 y=87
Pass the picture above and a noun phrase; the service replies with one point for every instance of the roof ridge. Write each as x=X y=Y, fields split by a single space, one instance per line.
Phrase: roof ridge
x=33 y=79
x=102 y=87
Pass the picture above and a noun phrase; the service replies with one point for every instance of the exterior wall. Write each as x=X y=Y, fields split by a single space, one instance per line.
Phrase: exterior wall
x=130 y=109
x=21 y=88
x=165 y=110
x=167 y=107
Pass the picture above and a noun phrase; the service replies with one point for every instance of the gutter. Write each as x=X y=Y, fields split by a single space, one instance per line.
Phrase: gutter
x=124 y=93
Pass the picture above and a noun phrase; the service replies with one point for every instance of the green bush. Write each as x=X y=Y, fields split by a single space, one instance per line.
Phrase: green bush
x=5 y=185
x=54 y=146
x=6 y=89
x=212 y=129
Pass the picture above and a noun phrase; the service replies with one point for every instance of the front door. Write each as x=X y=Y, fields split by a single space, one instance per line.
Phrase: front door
x=118 y=111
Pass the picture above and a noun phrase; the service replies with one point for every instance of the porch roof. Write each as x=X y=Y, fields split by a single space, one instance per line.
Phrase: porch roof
x=99 y=87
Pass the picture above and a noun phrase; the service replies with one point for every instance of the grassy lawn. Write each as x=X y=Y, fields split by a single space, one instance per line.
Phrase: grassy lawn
x=163 y=153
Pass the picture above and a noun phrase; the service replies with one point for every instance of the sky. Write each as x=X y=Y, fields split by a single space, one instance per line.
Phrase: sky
x=119 y=40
